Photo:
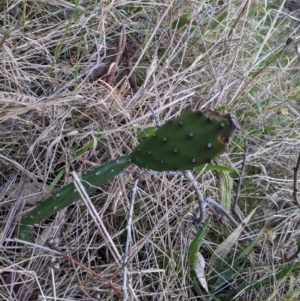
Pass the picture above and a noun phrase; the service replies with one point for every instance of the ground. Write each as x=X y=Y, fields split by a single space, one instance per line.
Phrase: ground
x=81 y=82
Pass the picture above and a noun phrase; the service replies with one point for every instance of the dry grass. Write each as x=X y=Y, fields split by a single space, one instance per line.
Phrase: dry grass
x=58 y=115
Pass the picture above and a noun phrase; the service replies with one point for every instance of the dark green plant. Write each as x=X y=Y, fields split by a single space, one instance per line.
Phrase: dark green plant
x=192 y=139
x=188 y=141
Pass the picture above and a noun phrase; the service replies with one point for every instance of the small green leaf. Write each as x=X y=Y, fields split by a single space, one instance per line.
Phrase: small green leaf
x=269 y=129
x=193 y=250
x=195 y=244
x=218 y=20
x=146 y=132
x=214 y=168
x=226 y=190
x=57 y=178
x=179 y=23
x=220 y=109
x=86 y=147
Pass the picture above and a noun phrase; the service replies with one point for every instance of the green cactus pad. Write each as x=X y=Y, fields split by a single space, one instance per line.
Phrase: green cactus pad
x=69 y=194
x=191 y=139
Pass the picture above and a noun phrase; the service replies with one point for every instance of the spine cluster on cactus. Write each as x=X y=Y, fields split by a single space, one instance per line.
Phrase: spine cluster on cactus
x=192 y=139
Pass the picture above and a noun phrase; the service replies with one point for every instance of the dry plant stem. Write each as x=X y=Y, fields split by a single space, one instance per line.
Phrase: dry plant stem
x=293 y=256
x=113 y=67
x=128 y=241
x=201 y=201
x=93 y=212
x=295 y=195
x=283 y=45
x=157 y=123
x=2 y=42
x=295 y=192
x=222 y=209
x=237 y=196
x=132 y=79
x=243 y=11
x=53 y=284
x=25 y=242
x=227 y=214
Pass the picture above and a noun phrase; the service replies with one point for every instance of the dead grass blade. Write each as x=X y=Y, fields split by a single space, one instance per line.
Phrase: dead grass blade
x=226 y=246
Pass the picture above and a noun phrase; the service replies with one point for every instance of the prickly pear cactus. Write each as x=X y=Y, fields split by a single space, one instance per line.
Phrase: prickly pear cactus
x=69 y=194
x=192 y=139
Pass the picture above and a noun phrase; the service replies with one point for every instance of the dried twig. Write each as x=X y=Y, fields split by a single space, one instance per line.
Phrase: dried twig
x=295 y=192
x=293 y=256
x=103 y=280
x=222 y=209
x=202 y=203
x=295 y=195
x=243 y=11
x=238 y=190
x=94 y=214
x=128 y=241
x=157 y=123
x=114 y=65
x=132 y=79
x=2 y=41
x=227 y=214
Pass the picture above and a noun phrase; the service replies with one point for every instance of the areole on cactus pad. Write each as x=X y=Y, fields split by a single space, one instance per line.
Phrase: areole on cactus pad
x=191 y=139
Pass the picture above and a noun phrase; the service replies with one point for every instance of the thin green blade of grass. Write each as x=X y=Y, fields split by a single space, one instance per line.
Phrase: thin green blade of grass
x=85 y=148
x=146 y=132
x=57 y=178
x=213 y=167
